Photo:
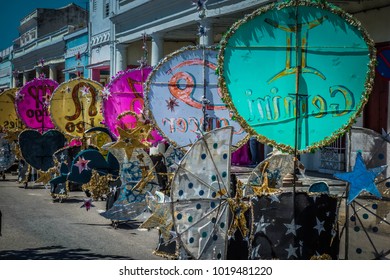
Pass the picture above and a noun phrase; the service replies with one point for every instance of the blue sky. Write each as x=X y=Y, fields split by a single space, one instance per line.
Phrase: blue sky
x=13 y=11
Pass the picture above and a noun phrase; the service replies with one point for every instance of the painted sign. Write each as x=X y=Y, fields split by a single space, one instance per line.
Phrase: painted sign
x=32 y=102
x=124 y=93
x=75 y=106
x=178 y=89
x=308 y=73
x=9 y=119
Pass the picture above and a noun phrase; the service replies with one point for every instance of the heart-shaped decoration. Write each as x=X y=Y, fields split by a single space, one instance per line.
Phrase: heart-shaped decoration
x=38 y=149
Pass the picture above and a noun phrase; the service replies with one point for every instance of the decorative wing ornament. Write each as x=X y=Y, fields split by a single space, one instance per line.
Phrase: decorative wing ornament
x=200 y=191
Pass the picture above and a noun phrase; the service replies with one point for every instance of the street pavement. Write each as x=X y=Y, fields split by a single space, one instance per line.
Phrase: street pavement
x=35 y=227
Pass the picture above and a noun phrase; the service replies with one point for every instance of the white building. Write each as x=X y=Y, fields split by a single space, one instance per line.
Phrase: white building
x=116 y=40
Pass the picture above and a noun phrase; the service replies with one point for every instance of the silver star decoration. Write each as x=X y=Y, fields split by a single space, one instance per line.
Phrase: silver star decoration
x=85 y=90
x=105 y=93
x=292 y=227
x=320 y=226
x=62 y=191
x=62 y=157
x=255 y=252
x=274 y=198
x=291 y=251
x=261 y=226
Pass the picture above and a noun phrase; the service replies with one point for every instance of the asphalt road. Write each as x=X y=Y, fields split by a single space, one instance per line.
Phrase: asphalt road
x=35 y=227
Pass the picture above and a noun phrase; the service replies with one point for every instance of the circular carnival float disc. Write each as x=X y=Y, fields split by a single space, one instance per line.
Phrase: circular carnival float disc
x=8 y=116
x=32 y=101
x=124 y=93
x=178 y=89
x=75 y=106
x=309 y=69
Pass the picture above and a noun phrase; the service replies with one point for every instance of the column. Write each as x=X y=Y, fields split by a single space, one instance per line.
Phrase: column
x=25 y=78
x=121 y=58
x=38 y=71
x=208 y=38
x=13 y=81
x=157 y=48
x=53 y=72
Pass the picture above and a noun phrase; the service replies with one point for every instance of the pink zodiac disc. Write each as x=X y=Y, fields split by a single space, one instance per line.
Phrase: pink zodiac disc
x=124 y=94
x=32 y=102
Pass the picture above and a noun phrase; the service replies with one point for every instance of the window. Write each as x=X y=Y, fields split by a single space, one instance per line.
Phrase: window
x=106 y=8
x=94 y=5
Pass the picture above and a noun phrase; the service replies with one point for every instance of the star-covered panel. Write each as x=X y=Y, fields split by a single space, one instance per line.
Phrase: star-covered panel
x=282 y=231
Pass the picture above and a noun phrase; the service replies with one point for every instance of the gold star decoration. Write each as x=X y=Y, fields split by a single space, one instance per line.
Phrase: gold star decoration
x=161 y=218
x=146 y=178
x=130 y=140
x=12 y=135
x=44 y=177
x=238 y=207
x=98 y=185
x=264 y=188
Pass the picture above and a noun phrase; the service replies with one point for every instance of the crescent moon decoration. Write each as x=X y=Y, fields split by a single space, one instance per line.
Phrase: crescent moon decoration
x=32 y=102
x=75 y=106
x=182 y=91
x=301 y=89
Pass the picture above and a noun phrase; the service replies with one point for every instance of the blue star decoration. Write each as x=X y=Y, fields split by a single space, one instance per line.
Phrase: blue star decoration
x=361 y=179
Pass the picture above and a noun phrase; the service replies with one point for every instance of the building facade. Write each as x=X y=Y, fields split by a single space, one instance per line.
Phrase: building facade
x=100 y=43
x=76 y=54
x=40 y=47
x=6 y=69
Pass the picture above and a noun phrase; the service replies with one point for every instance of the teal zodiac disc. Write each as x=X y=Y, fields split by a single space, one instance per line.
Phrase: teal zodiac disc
x=297 y=73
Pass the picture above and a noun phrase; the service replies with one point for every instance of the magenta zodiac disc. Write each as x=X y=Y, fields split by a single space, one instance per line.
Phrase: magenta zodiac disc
x=32 y=102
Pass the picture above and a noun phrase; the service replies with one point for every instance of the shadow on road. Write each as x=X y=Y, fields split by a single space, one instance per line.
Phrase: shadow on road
x=55 y=253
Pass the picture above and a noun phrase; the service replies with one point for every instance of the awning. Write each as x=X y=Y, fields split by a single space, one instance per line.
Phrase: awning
x=101 y=64
x=74 y=69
